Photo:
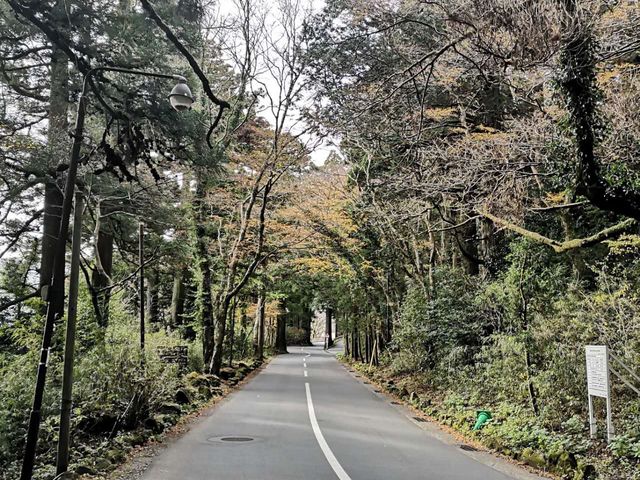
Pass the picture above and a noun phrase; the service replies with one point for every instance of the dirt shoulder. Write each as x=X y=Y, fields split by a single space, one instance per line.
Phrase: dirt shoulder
x=139 y=457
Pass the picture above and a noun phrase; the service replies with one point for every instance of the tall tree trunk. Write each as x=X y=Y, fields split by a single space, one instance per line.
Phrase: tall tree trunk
x=367 y=345
x=232 y=330
x=347 y=346
x=270 y=338
x=256 y=327
x=57 y=149
x=206 y=309
x=141 y=296
x=374 y=347
x=432 y=256
x=524 y=313
x=177 y=300
x=101 y=276
x=244 y=332
x=50 y=231
x=259 y=329
x=355 y=347
x=382 y=341
x=485 y=231
x=221 y=330
x=468 y=246
x=153 y=310
x=204 y=265
x=533 y=398
x=281 y=332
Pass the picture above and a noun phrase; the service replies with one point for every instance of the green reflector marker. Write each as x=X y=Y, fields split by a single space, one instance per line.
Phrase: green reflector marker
x=481 y=419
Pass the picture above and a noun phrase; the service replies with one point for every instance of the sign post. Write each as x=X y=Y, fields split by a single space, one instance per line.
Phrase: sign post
x=598 y=384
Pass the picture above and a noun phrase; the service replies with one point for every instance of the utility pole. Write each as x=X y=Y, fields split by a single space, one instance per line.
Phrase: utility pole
x=232 y=330
x=259 y=347
x=70 y=340
x=181 y=99
x=55 y=294
x=141 y=286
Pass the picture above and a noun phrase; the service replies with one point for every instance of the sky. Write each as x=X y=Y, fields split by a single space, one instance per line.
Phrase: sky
x=322 y=148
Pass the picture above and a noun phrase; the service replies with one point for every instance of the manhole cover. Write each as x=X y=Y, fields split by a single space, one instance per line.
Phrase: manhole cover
x=236 y=439
x=231 y=439
x=468 y=448
x=419 y=419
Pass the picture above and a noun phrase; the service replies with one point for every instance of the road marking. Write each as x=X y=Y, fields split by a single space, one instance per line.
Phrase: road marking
x=305 y=373
x=333 y=461
x=308 y=354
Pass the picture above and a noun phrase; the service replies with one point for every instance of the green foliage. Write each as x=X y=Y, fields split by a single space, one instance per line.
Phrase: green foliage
x=114 y=391
x=440 y=328
x=516 y=340
x=626 y=446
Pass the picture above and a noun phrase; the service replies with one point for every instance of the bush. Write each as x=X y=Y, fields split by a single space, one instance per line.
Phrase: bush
x=114 y=390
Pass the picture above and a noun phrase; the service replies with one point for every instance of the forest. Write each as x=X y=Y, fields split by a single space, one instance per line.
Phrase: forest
x=186 y=184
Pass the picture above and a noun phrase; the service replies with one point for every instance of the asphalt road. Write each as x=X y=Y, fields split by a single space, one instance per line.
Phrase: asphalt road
x=322 y=424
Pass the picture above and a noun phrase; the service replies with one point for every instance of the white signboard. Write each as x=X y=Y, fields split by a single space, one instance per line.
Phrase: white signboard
x=597 y=370
x=598 y=384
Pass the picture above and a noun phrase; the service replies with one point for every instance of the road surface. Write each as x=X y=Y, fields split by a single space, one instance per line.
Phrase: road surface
x=306 y=417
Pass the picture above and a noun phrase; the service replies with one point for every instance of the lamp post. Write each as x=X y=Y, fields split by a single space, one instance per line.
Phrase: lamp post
x=180 y=99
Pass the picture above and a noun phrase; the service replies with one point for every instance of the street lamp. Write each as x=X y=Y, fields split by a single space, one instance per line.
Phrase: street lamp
x=180 y=99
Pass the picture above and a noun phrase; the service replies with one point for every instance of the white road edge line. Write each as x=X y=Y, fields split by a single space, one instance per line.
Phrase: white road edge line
x=333 y=461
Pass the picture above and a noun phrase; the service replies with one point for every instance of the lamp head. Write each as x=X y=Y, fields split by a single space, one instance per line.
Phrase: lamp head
x=180 y=97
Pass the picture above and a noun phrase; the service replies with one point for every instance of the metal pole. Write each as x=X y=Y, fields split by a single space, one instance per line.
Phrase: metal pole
x=261 y=310
x=55 y=307
x=593 y=426
x=67 y=375
x=141 y=287
x=232 y=330
x=610 y=429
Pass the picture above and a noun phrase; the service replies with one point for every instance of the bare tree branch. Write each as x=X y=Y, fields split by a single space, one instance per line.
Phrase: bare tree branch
x=195 y=66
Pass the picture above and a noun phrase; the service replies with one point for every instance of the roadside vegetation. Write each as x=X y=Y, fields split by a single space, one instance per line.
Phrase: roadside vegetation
x=490 y=152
